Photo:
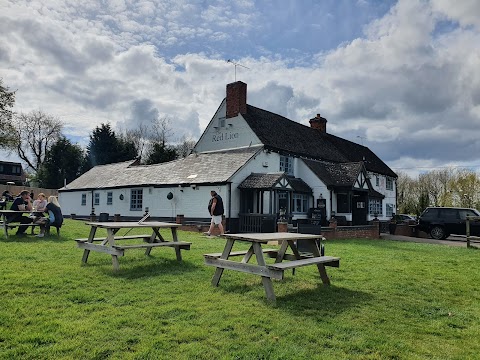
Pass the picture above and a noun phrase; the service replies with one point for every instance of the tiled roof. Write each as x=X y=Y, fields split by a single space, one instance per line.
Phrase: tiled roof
x=281 y=134
x=268 y=181
x=260 y=181
x=211 y=167
x=335 y=174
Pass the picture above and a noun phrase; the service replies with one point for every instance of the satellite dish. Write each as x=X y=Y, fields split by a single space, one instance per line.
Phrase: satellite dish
x=169 y=196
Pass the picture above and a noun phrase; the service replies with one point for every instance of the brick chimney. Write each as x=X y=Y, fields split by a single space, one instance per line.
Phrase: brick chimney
x=319 y=123
x=236 y=99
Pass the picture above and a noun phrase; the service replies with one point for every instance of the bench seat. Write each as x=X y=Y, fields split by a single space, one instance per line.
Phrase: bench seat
x=180 y=244
x=270 y=252
x=326 y=260
x=128 y=237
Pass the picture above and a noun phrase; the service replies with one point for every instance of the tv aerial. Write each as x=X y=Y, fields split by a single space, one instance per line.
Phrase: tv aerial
x=235 y=65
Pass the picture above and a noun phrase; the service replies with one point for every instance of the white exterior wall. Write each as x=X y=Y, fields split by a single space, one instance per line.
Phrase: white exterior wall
x=390 y=195
x=303 y=171
x=236 y=133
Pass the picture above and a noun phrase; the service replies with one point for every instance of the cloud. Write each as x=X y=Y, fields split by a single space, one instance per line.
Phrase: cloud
x=403 y=75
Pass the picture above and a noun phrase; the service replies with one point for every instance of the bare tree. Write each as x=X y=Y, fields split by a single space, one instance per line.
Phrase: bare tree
x=35 y=133
x=161 y=130
x=184 y=146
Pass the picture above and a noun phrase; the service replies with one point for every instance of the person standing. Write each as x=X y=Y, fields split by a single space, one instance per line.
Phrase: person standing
x=215 y=208
x=21 y=203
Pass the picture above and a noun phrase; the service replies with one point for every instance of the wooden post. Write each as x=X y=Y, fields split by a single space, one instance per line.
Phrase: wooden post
x=467 y=222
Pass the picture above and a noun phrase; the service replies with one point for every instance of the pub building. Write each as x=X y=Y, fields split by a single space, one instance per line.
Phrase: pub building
x=264 y=166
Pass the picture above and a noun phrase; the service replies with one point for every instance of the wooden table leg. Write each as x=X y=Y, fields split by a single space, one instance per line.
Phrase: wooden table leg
x=91 y=236
x=321 y=267
x=153 y=238
x=267 y=282
x=175 y=239
x=111 y=241
x=225 y=253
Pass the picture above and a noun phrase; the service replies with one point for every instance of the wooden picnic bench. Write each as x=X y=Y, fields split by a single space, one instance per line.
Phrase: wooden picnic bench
x=110 y=246
x=270 y=271
x=8 y=225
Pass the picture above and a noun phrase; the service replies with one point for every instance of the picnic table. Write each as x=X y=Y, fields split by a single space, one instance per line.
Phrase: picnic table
x=270 y=271
x=13 y=224
x=110 y=245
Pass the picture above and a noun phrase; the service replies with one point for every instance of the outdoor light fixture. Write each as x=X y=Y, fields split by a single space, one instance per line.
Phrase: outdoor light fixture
x=121 y=197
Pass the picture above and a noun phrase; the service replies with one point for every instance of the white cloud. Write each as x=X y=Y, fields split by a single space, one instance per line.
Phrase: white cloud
x=410 y=90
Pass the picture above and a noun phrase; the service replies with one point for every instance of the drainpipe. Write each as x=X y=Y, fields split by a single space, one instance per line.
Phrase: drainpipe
x=331 y=202
x=229 y=204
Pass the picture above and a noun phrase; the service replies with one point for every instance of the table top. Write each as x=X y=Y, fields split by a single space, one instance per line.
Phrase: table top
x=132 y=224
x=6 y=212
x=278 y=236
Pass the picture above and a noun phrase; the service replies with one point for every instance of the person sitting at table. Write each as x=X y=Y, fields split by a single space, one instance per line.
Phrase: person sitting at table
x=21 y=203
x=6 y=194
x=39 y=207
x=55 y=217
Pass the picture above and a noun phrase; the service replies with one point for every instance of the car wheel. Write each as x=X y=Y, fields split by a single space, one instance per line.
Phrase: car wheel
x=437 y=233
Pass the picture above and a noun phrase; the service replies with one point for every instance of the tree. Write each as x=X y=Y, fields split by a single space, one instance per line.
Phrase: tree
x=35 y=133
x=7 y=132
x=63 y=163
x=105 y=148
x=184 y=147
x=159 y=153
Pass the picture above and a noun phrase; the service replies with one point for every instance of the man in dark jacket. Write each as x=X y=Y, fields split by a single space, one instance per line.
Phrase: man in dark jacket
x=21 y=203
x=215 y=208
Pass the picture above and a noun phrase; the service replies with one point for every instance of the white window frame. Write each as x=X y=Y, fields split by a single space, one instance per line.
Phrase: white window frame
x=389 y=183
x=96 y=198
x=109 y=198
x=375 y=207
x=300 y=203
x=84 y=200
x=389 y=210
x=136 y=199
x=286 y=164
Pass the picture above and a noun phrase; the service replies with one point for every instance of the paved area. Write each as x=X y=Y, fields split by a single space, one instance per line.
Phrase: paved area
x=451 y=240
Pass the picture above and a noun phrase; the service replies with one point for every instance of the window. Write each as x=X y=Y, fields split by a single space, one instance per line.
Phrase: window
x=375 y=207
x=136 y=199
x=96 y=199
x=361 y=205
x=84 y=199
x=286 y=164
x=343 y=203
x=221 y=122
x=1 y=168
x=377 y=181
x=109 y=198
x=389 y=209
x=389 y=183
x=300 y=203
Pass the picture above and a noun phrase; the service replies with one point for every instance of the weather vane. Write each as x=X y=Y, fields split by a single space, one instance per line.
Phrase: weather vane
x=236 y=64
x=361 y=138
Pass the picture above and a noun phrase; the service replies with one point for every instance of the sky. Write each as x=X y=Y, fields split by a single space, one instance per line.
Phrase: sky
x=401 y=77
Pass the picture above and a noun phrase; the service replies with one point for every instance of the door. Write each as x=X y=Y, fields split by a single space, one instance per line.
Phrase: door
x=359 y=209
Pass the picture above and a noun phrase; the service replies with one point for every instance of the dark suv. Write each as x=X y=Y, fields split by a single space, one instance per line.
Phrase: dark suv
x=440 y=222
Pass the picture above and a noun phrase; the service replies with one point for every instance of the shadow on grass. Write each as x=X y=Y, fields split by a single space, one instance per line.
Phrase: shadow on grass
x=32 y=239
x=327 y=299
x=130 y=269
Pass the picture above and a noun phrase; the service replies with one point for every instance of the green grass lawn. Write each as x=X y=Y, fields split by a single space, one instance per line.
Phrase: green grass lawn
x=388 y=300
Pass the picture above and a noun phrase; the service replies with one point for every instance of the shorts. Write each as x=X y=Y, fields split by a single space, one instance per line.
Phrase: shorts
x=216 y=219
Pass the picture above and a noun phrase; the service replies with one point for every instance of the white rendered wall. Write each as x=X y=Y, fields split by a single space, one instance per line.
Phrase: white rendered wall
x=236 y=133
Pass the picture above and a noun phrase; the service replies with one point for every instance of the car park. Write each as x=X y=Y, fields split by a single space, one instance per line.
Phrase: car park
x=441 y=222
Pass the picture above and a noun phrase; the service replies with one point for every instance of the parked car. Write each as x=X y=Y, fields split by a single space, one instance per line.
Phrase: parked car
x=441 y=222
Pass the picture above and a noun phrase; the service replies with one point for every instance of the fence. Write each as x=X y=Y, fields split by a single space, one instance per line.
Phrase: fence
x=16 y=189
